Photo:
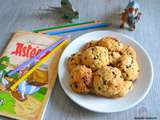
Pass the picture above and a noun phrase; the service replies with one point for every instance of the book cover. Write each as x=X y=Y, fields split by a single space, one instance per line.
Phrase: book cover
x=30 y=98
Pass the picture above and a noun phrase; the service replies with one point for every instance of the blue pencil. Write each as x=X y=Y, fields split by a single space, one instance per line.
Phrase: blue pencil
x=78 y=28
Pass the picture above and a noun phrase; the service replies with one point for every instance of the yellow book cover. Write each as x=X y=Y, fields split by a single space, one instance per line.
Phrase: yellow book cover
x=30 y=98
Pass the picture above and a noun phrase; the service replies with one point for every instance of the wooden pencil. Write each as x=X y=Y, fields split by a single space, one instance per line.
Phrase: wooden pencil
x=63 y=26
x=69 y=27
x=79 y=28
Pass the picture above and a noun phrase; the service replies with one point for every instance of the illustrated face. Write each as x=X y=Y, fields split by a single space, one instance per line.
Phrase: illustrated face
x=132 y=10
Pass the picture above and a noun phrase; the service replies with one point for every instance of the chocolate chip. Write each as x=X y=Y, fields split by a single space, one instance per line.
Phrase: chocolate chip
x=120 y=53
x=88 y=72
x=71 y=59
x=130 y=53
x=128 y=66
x=114 y=74
x=123 y=70
x=99 y=88
x=76 y=85
x=115 y=40
x=105 y=82
x=72 y=76
x=118 y=62
x=73 y=54
x=112 y=65
x=85 y=82
x=93 y=48
x=94 y=58
x=132 y=61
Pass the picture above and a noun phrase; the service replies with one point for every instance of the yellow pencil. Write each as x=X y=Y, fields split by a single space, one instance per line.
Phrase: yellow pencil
x=14 y=86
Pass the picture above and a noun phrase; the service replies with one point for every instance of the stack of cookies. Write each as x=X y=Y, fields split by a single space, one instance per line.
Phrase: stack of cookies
x=105 y=68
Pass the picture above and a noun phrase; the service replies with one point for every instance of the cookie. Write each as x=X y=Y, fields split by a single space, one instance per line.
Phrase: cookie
x=107 y=81
x=119 y=89
x=129 y=67
x=112 y=44
x=125 y=87
x=95 y=57
x=74 y=60
x=113 y=58
x=81 y=79
x=128 y=50
x=92 y=43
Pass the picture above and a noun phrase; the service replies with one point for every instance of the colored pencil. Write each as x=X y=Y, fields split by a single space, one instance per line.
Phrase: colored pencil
x=62 y=26
x=78 y=29
x=14 y=86
x=35 y=58
x=83 y=25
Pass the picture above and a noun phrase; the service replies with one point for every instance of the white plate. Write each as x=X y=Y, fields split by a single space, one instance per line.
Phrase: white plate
x=100 y=104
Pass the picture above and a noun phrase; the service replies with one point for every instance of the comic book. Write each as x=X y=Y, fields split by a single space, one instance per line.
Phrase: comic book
x=30 y=98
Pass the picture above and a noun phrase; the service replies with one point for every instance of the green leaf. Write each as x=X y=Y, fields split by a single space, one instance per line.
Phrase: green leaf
x=5 y=58
x=2 y=67
x=39 y=95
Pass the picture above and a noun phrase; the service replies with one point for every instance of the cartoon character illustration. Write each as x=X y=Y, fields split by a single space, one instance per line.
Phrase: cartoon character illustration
x=23 y=89
x=4 y=61
x=131 y=15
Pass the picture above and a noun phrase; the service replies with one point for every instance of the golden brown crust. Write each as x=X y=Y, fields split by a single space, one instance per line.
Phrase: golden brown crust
x=105 y=68
x=112 y=44
x=92 y=43
x=129 y=68
x=95 y=57
x=128 y=50
x=74 y=60
x=81 y=79
x=113 y=58
x=107 y=81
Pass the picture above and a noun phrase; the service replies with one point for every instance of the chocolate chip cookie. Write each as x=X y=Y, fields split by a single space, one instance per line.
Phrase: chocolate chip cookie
x=92 y=43
x=129 y=67
x=74 y=60
x=95 y=57
x=128 y=50
x=112 y=44
x=113 y=58
x=81 y=79
x=107 y=81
